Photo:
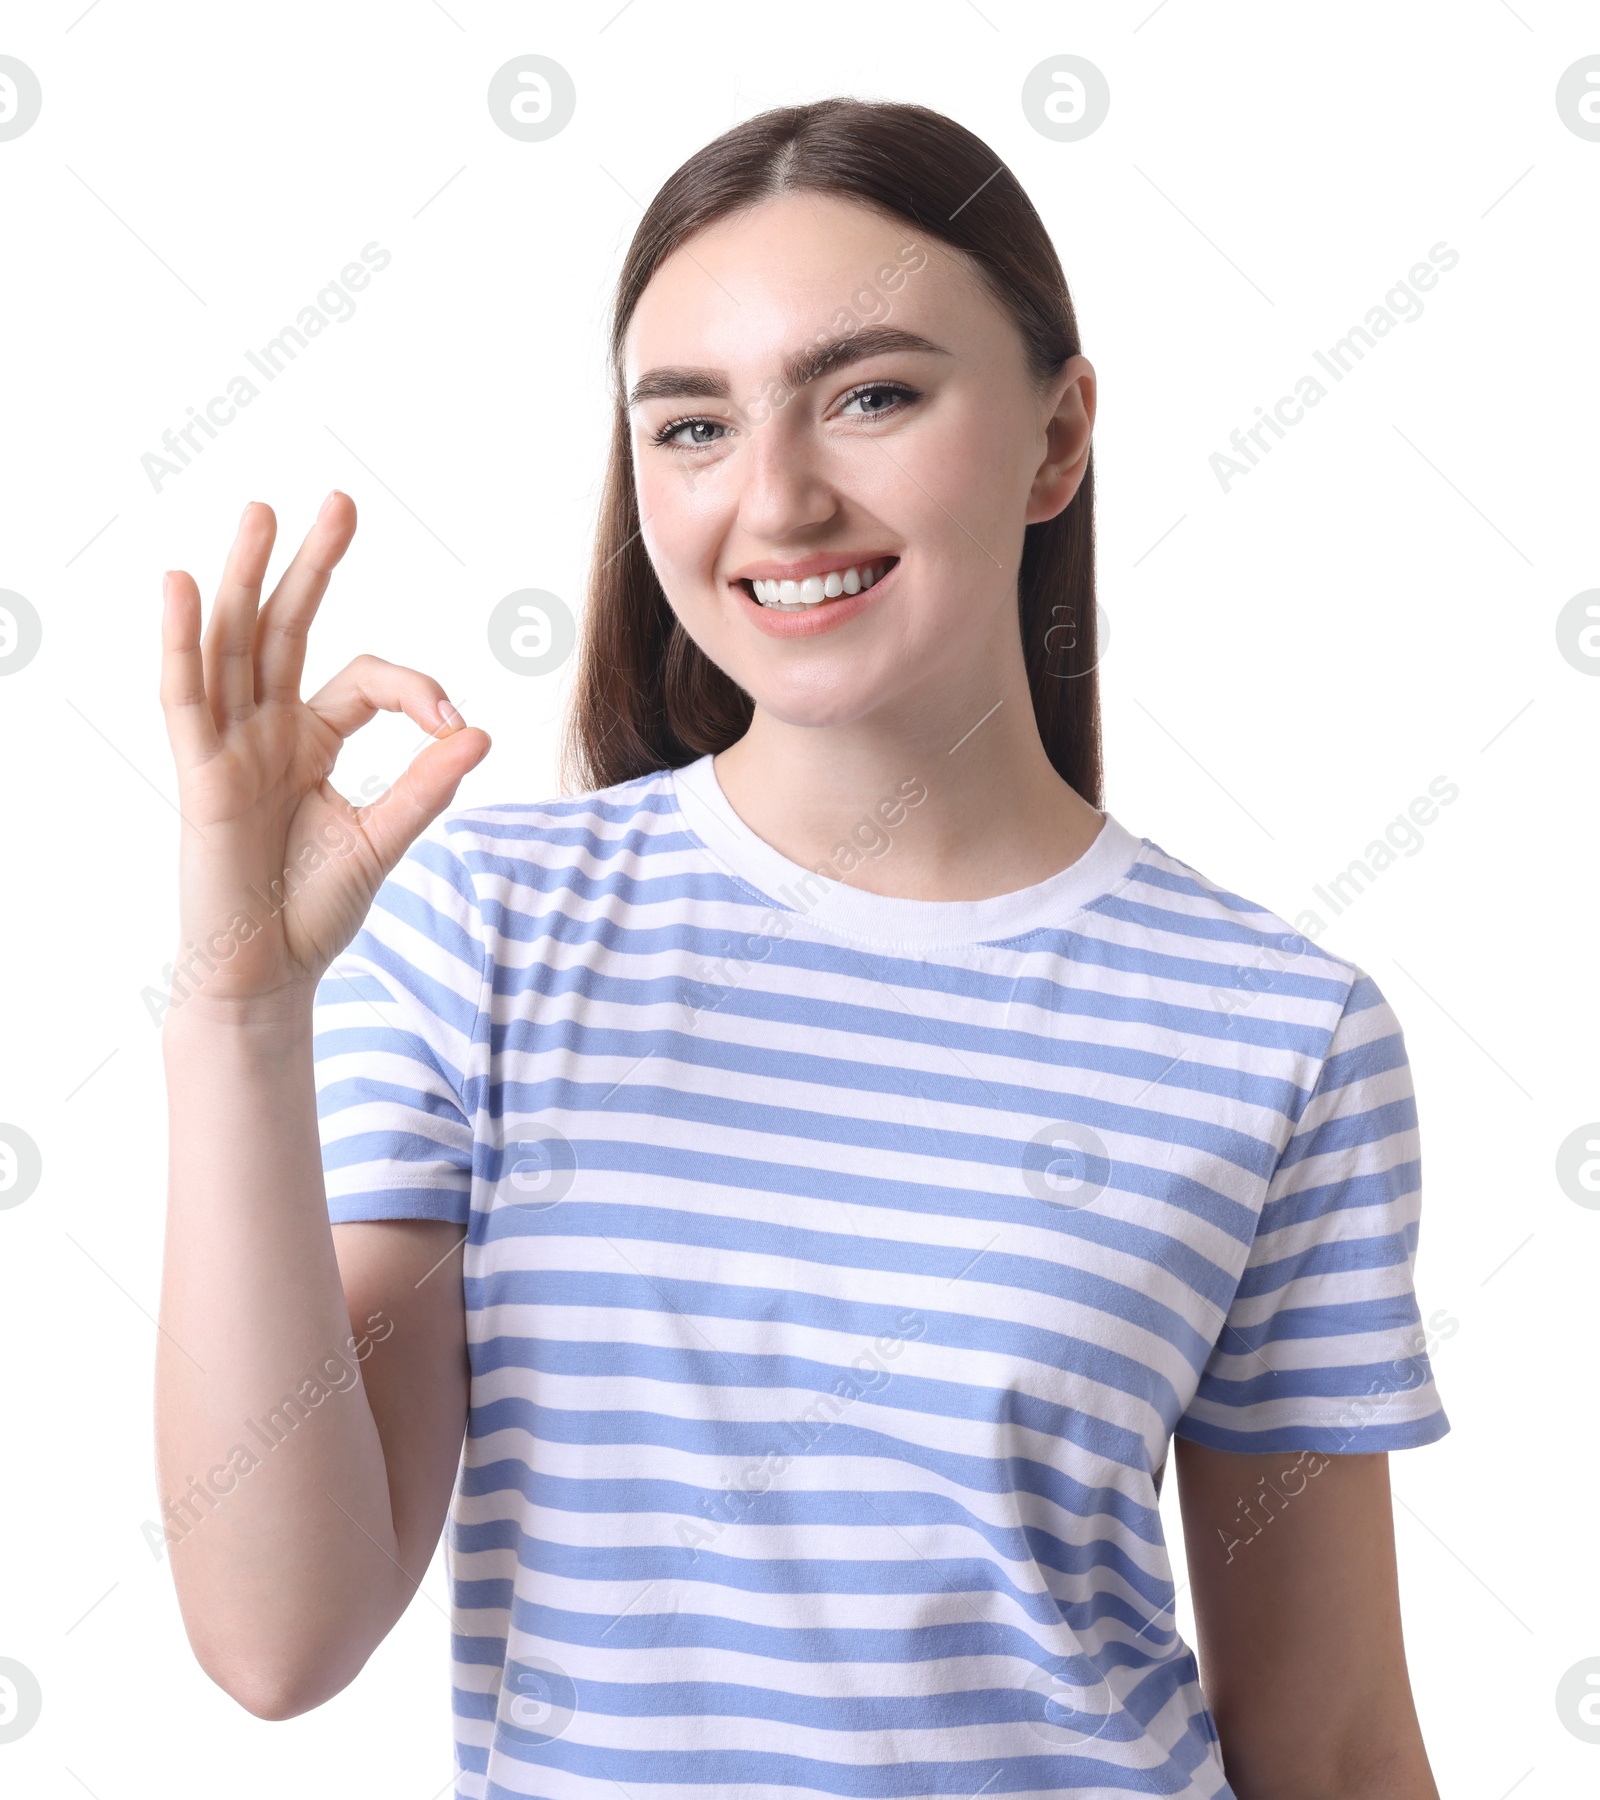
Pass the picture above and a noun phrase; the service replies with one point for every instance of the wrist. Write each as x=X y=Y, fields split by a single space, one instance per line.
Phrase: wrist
x=281 y=1016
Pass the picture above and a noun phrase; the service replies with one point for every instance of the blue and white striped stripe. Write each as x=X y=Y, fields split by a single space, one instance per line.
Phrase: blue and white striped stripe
x=815 y=1429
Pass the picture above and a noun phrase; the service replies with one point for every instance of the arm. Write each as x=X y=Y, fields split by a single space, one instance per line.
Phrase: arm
x=305 y=1447
x=1298 y=1615
x=408 y=1272
x=294 y=1576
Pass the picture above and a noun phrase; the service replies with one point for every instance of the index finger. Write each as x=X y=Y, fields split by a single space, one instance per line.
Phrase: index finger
x=191 y=729
x=285 y=620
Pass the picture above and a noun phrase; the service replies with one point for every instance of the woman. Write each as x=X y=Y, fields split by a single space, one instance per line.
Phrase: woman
x=825 y=1165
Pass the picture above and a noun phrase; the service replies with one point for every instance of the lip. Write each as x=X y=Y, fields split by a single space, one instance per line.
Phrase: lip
x=826 y=615
x=823 y=563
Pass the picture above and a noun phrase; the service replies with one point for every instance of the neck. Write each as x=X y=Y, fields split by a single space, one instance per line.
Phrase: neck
x=953 y=802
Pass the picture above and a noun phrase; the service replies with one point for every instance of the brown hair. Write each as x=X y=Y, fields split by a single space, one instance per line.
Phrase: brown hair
x=646 y=696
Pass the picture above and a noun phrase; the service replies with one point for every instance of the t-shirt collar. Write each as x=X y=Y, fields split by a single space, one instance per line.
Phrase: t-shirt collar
x=835 y=904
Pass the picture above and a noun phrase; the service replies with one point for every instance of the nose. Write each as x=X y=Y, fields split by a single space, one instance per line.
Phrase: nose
x=785 y=493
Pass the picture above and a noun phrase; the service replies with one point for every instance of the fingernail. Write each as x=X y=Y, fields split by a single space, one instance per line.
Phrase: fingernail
x=450 y=716
x=327 y=503
x=246 y=513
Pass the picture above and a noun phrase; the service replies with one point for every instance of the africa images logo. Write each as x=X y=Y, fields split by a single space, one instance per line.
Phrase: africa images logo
x=334 y=305
x=1402 y=304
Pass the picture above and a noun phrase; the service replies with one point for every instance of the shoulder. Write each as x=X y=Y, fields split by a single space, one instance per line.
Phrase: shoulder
x=520 y=866
x=484 y=877
x=500 y=838
x=1168 y=895
x=1240 y=953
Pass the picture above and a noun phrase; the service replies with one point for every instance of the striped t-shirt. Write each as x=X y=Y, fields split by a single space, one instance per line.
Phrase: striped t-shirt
x=838 y=1269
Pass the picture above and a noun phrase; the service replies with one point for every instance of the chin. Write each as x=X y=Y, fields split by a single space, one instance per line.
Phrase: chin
x=812 y=718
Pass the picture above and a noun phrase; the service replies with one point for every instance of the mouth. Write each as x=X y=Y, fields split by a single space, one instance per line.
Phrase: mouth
x=817 y=588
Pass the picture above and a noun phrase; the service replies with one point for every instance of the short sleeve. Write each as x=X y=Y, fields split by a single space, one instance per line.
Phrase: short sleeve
x=1323 y=1347
x=395 y=1020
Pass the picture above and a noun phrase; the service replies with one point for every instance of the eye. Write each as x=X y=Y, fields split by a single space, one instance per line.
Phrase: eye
x=701 y=433
x=878 y=398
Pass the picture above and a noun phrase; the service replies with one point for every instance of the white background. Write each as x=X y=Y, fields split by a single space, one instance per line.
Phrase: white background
x=1291 y=661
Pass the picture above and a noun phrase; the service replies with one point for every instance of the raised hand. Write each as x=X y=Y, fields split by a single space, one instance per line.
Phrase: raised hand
x=277 y=869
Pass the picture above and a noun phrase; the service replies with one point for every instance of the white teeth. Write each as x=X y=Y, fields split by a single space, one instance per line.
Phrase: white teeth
x=792 y=595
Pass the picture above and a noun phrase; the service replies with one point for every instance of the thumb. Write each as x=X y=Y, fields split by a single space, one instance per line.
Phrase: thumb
x=426 y=788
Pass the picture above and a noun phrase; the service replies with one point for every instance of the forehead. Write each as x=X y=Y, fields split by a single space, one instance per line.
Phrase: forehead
x=759 y=282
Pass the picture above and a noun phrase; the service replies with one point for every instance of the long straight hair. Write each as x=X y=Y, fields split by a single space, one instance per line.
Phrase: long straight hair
x=645 y=696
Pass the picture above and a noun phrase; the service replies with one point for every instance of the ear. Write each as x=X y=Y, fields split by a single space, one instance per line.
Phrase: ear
x=1069 y=428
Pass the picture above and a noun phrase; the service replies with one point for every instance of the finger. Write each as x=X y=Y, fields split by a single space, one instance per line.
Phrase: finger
x=395 y=818
x=191 y=730
x=370 y=685
x=229 y=645
x=286 y=618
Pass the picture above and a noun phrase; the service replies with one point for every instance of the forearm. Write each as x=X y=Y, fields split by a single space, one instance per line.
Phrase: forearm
x=1269 y=1764
x=1302 y=1657
x=271 y=1469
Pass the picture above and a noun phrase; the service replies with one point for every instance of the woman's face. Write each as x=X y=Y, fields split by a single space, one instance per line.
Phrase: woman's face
x=829 y=411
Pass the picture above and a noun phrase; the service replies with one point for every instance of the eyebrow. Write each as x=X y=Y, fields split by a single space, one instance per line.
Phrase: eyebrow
x=801 y=366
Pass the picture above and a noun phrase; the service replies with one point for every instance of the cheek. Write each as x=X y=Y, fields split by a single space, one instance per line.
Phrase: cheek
x=681 y=520
x=992 y=451
x=957 y=487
